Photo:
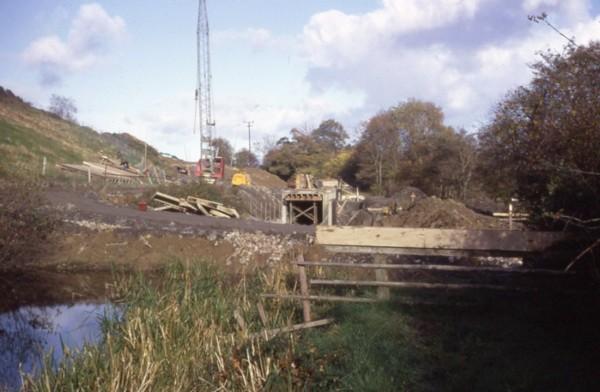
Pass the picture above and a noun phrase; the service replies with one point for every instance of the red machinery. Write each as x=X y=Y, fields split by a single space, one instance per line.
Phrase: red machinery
x=211 y=171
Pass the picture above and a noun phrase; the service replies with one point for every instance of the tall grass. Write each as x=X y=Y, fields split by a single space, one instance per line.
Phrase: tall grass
x=182 y=336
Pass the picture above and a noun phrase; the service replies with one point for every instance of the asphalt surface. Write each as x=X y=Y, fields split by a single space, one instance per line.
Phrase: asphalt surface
x=80 y=206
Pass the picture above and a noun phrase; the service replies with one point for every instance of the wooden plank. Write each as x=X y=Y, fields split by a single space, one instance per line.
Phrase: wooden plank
x=335 y=298
x=168 y=207
x=209 y=203
x=435 y=267
x=373 y=250
x=110 y=170
x=166 y=198
x=268 y=334
x=415 y=285
x=511 y=241
x=201 y=208
x=304 y=290
x=330 y=298
x=218 y=214
x=381 y=275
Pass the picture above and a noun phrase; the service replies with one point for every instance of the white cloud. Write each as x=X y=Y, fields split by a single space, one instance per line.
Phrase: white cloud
x=332 y=38
x=258 y=38
x=92 y=33
x=168 y=122
x=530 y=5
x=461 y=55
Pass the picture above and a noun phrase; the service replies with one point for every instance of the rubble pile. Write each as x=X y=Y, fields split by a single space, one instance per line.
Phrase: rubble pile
x=250 y=246
x=347 y=214
x=433 y=212
x=407 y=196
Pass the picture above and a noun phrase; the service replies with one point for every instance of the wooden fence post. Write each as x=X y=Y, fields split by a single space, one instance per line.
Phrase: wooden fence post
x=381 y=275
x=304 y=290
x=44 y=163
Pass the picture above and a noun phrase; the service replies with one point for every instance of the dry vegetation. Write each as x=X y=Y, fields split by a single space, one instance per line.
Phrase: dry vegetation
x=25 y=225
x=183 y=336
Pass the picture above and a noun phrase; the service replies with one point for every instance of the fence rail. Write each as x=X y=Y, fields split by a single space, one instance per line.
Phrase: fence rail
x=383 y=284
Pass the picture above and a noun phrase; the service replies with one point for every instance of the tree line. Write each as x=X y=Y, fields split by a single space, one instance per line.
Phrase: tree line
x=541 y=144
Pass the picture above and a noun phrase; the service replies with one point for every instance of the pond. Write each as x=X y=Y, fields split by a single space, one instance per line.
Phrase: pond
x=43 y=311
x=30 y=334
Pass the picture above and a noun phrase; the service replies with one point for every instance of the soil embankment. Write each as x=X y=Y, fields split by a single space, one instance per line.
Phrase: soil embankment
x=98 y=235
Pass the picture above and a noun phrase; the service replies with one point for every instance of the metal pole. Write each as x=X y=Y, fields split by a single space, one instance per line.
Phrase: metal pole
x=249 y=123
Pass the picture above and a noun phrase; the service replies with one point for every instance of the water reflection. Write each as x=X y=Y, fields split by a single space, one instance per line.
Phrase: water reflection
x=30 y=332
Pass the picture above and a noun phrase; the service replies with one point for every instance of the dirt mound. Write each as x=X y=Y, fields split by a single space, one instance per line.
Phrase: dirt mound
x=261 y=177
x=346 y=211
x=258 y=177
x=402 y=199
x=407 y=196
x=433 y=212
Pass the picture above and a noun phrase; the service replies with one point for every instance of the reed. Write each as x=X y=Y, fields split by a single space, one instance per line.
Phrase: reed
x=182 y=336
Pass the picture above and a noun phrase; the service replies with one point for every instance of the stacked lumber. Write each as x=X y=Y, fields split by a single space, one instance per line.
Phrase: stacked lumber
x=97 y=170
x=107 y=168
x=193 y=205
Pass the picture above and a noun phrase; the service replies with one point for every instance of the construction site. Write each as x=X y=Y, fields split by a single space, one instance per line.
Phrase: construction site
x=319 y=264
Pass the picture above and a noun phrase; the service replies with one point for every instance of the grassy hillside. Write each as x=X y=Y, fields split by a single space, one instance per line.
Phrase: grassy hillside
x=28 y=134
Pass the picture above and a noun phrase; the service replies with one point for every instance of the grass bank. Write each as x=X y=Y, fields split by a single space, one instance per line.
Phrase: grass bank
x=184 y=336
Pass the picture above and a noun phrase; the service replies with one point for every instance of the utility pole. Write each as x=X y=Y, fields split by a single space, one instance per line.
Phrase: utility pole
x=249 y=124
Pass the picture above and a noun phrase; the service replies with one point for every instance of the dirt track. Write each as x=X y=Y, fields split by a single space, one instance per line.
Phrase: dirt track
x=78 y=206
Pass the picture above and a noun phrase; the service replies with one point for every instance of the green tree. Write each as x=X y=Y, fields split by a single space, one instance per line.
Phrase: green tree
x=245 y=158
x=330 y=134
x=543 y=141
x=409 y=144
x=300 y=153
x=377 y=152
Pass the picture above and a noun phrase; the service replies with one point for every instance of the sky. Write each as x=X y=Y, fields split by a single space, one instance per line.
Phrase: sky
x=130 y=66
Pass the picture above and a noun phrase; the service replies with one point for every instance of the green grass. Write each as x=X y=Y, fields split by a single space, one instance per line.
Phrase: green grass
x=372 y=348
x=28 y=134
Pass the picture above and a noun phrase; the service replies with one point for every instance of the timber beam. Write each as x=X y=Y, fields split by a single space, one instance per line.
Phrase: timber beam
x=435 y=242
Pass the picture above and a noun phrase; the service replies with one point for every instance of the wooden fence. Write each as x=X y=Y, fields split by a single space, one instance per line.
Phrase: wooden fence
x=383 y=284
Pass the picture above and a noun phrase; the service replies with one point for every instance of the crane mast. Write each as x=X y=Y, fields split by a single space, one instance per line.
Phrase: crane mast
x=206 y=124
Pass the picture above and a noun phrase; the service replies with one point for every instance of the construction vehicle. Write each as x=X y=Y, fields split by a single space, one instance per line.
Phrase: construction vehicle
x=211 y=170
x=210 y=166
x=241 y=178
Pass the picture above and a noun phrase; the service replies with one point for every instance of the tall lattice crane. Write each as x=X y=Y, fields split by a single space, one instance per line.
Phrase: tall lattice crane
x=209 y=165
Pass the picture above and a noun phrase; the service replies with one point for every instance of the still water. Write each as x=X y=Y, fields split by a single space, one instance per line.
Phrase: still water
x=31 y=333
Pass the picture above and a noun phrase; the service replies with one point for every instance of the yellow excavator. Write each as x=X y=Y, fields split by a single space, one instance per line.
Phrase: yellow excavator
x=241 y=178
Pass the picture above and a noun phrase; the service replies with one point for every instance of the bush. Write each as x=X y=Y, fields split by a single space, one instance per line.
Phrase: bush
x=25 y=224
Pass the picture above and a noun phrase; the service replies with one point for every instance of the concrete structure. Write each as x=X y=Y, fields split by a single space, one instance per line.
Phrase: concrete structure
x=308 y=206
